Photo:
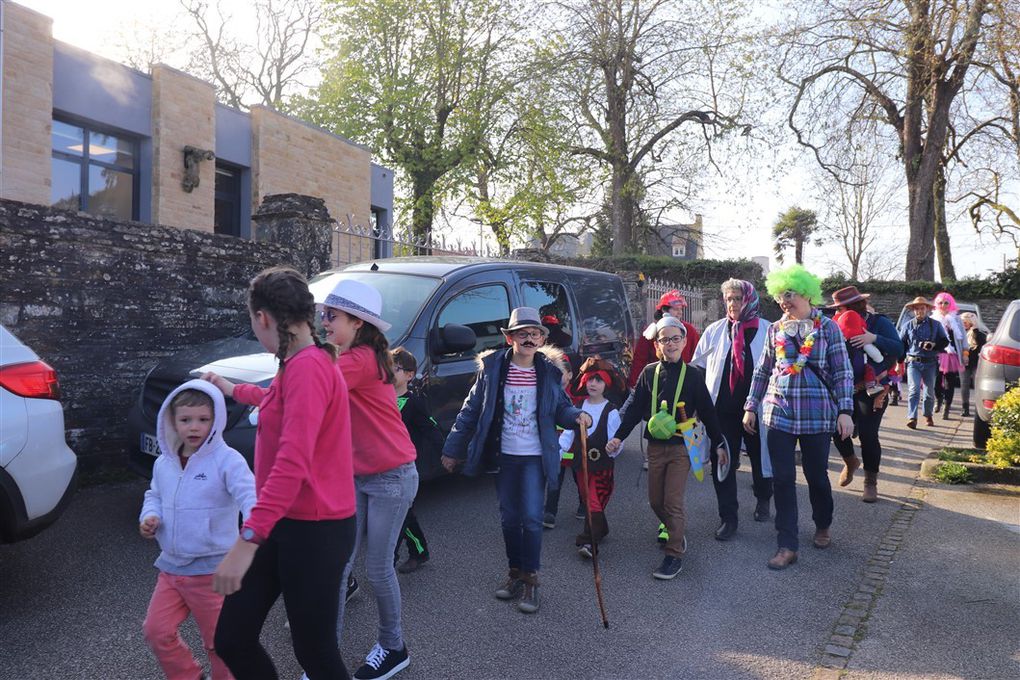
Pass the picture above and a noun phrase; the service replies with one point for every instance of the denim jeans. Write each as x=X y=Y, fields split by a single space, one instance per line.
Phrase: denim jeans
x=520 y=485
x=814 y=457
x=383 y=500
x=919 y=373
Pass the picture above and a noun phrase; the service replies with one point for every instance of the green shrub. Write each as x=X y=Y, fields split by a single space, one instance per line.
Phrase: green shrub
x=1004 y=445
x=958 y=455
x=952 y=473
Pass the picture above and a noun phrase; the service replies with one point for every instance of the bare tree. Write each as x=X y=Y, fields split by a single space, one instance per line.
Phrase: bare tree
x=636 y=73
x=263 y=67
x=904 y=62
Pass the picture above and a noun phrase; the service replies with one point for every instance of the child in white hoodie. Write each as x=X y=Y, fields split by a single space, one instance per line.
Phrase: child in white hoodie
x=199 y=484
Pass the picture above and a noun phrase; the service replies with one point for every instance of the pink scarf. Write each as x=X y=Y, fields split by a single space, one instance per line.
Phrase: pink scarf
x=748 y=319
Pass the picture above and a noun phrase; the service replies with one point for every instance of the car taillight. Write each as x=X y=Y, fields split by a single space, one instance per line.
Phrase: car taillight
x=998 y=354
x=35 y=380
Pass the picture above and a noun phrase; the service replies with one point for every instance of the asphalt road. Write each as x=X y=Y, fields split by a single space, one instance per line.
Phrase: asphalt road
x=73 y=598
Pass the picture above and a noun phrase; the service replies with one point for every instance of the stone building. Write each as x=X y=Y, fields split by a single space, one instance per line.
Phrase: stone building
x=679 y=241
x=81 y=132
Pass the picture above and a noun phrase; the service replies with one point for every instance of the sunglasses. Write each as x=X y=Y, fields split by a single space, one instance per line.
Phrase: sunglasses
x=328 y=315
x=788 y=296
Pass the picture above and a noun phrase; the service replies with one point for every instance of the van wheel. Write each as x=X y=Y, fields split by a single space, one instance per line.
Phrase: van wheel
x=982 y=431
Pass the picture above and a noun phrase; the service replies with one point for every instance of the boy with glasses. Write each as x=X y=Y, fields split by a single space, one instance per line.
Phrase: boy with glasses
x=510 y=415
x=682 y=389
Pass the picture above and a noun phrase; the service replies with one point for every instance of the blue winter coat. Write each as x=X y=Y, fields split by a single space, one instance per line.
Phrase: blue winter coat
x=476 y=433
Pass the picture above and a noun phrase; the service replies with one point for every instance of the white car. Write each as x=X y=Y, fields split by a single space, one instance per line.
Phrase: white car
x=38 y=471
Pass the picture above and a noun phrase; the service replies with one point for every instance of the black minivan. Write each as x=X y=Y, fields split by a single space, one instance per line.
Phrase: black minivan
x=444 y=310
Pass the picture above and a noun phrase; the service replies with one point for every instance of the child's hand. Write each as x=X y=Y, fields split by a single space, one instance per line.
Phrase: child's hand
x=584 y=420
x=148 y=526
x=449 y=463
x=863 y=339
x=221 y=383
x=613 y=445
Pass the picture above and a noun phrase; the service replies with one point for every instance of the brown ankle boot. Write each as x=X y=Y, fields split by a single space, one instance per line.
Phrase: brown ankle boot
x=513 y=587
x=870 y=487
x=850 y=465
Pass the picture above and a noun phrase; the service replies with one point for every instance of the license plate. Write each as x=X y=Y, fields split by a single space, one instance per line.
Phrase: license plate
x=150 y=445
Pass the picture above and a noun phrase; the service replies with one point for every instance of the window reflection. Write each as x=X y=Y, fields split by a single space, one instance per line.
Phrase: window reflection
x=93 y=171
x=65 y=192
x=110 y=192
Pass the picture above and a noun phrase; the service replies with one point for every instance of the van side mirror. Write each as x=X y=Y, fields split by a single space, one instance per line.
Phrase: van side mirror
x=451 y=339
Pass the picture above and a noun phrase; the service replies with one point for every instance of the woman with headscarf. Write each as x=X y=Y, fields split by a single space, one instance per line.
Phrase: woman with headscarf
x=951 y=359
x=728 y=352
x=803 y=385
x=976 y=339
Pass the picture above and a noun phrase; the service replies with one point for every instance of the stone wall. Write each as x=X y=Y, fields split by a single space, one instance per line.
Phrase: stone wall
x=27 y=82
x=102 y=301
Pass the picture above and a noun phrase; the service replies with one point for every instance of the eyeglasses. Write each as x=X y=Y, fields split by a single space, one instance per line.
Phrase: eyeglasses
x=526 y=335
x=787 y=297
x=670 y=340
x=328 y=315
x=398 y=368
x=733 y=298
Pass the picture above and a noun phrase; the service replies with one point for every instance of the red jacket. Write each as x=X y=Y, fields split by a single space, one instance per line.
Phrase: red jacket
x=644 y=353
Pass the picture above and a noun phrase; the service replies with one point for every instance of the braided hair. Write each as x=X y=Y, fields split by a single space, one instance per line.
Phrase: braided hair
x=283 y=293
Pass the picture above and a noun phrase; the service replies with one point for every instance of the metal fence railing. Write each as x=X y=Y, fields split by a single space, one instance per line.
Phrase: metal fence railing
x=354 y=242
x=696 y=312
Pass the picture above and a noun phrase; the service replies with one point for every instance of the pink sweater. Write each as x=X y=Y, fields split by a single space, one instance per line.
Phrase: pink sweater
x=303 y=461
x=381 y=441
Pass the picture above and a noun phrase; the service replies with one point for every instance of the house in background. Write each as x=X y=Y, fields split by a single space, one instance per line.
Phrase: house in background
x=680 y=241
x=764 y=262
x=85 y=133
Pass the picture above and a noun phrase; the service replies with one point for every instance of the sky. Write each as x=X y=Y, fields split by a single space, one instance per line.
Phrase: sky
x=737 y=222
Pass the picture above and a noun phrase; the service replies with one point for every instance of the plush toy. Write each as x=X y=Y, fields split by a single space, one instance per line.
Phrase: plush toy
x=852 y=325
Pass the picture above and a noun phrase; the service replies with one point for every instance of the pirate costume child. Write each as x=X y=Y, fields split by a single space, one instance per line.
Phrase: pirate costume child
x=595 y=378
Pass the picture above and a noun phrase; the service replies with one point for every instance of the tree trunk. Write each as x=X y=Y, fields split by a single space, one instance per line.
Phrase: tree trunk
x=943 y=250
x=422 y=213
x=920 y=265
x=798 y=250
x=622 y=209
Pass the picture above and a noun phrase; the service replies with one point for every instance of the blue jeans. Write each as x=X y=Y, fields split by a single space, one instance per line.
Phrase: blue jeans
x=814 y=458
x=520 y=486
x=383 y=500
x=919 y=373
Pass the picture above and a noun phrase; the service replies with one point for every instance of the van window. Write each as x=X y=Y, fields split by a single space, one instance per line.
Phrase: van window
x=484 y=310
x=603 y=311
x=550 y=299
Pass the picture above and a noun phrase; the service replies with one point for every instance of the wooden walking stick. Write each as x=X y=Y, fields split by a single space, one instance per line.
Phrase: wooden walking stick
x=587 y=509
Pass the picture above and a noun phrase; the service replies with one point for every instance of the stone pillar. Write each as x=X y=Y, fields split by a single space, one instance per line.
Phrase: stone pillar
x=183 y=114
x=26 y=171
x=300 y=223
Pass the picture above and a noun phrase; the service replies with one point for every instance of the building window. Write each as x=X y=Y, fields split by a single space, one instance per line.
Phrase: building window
x=679 y=248
x=227 y=218
x=94 y=171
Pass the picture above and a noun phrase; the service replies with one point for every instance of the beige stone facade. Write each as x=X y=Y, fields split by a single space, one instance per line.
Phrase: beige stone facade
x=157 y=115
x=183 y=114
x=27 y=104
x=290 y=156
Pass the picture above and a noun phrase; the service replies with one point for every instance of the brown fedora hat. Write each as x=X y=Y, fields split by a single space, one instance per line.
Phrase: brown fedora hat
x=847 y=296
x=918 y=301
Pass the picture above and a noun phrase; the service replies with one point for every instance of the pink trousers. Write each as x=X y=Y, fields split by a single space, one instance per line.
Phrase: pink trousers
x=172 y=600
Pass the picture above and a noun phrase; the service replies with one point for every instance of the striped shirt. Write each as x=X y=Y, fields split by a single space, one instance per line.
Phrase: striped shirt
x=809 y=401
x=520 y=412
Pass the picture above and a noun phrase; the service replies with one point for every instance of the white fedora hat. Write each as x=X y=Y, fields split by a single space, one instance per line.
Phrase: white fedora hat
x=356 y=298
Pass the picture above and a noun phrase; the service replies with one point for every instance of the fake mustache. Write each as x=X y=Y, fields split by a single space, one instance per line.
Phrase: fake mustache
x=528 y=343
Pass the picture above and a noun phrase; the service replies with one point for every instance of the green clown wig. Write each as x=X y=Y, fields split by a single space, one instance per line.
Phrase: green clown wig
x=797 y=279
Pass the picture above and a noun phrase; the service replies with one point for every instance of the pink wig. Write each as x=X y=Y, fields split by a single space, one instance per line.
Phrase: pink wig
x=949 y=298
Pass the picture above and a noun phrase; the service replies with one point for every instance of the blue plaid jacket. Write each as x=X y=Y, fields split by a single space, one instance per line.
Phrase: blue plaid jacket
x=807 y=402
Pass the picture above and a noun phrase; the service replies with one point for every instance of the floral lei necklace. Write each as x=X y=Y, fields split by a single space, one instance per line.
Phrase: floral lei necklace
x=783 y=363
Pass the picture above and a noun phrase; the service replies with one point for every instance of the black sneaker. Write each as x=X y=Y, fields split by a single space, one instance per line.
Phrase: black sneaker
x=352 y=588
x=669 y=568
x=761 y=511
x=580 y=512
x=725 y=531
x=549 y=520
x=383 y=663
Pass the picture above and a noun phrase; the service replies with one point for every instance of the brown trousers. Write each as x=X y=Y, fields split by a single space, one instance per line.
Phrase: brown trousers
x=668 y=467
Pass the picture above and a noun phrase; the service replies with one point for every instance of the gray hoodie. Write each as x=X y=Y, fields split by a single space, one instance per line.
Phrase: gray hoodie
x=198 y=505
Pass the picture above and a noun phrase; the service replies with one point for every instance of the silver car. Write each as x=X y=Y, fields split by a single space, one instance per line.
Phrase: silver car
x=998 y=369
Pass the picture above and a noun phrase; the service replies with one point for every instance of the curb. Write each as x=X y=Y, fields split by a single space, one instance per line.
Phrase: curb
x=852 y=624
x=979 y=472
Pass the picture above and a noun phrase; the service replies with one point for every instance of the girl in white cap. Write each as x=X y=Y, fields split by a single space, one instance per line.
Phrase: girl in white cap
x=385 y=477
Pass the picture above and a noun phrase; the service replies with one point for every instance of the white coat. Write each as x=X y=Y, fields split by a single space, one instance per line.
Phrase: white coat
x=711 y=355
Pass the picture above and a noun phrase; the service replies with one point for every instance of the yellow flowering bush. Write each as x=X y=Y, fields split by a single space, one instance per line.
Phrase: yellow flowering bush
x=1004 y=445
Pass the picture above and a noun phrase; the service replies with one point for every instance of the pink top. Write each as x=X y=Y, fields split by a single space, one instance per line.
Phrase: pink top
x=381 y=441
x=303 y=459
